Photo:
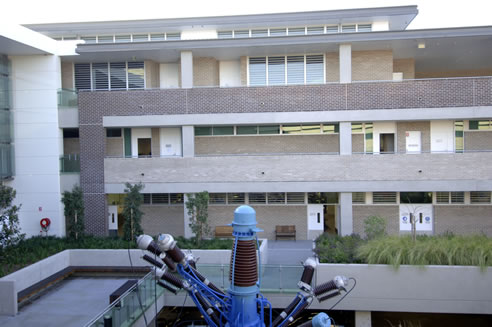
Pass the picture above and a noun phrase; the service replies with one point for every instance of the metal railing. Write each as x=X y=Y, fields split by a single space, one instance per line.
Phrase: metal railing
x=67 y=98
x=70 y=163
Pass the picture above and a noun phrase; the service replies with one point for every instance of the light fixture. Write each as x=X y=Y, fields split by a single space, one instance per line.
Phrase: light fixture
x=421 y=45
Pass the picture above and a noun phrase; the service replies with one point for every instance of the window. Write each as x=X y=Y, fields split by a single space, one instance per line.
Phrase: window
x=82 y=76
x=160 y=198
x=415 y=197
x=217 y=198
x=368 y=137
x=235 y=198
x=323 y=197
x=276 y=198
x=102 y=76
x=269 y=129
x=314 y=69
x=246 y=130
x=204 y=130
x=146 y=198
x=259 y=33
x=257 y=71
x=113 y=132
x=442 y=197
x=295 y=70
x=105 y=39
x=140 y=37
x=136 y=75
x=364 y=27
x=122 y=38
x=70 y=133
x=297 y=30
x=173 y=36
x=224 y=34
x=241 y=33
x=257 y=198
x=457 y=197
x=88 y=39
x=450 y=197
x=384 y=197
x=348 y=28
x=459 y=144
x=332 y=29
x=331 y=128
x=118 y=75
x=301 y=129
x=480 y=197
x=315 y=30
x=356 y=128
x=276 y=70
x=295 y=198
x=157 y=37
x=176 y=198
x=278 y=31
x=480 y=125
x=223 y=130
x=359 y=197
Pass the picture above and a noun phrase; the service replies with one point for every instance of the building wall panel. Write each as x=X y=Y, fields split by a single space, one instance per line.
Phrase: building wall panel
x=480 y=141
x=463 y=219
x=163 y=219
x=372 y=65
x=67 y=75
x=332 y=67
x=357 y=143
x=205 y=72
x=390 y=213
x=405 y=66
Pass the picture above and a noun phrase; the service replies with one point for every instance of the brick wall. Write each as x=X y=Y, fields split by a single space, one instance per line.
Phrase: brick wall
x=71 y=146
x=163 y=219
x=67 y=75
x=479 y=140
x=423 y=127
x=268 y=216
x=372 y=65
x=390 y=213
x=332 y=67
x=455 y=73
x=463 y=219
x=405 y=66
x=244 y=70
x=152 y=74
x=266 y=144
x=155 y=142
x=114 y=147
x=357 y=143
x=205 y=72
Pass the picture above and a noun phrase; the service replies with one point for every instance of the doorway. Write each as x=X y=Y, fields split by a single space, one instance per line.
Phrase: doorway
x=387 y=143
x=330 y=219
x=144 y=147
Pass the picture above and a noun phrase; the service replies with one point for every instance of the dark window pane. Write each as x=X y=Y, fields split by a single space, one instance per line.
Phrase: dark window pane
x=415 y=197
x=113 y=132
x=223 y=130
x=70 y=133
x=246 y=130
x=176 y=198
x=273 y=129
x=204 y=130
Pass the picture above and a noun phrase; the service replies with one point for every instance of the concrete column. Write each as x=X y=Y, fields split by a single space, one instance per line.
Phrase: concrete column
x=362 y=318
x=346 y=220
x=345 y=133
x=8 y=300
x=188 y=137
x=345 y=53
x=186 y=69
x=187 y=229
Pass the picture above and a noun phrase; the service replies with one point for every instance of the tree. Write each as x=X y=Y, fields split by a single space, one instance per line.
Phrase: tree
x=132 y=212
x=10 y=232
x=74 y=212
x=197 y=205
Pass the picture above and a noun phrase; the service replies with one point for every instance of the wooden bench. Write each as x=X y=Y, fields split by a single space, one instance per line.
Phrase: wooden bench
x=223 y=231
x=285 y=231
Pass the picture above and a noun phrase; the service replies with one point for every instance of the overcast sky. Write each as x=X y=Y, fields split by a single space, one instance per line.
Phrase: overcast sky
x=432 y=13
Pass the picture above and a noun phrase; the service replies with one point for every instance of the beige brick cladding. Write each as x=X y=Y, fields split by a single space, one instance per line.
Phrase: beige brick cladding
x=478 y=140
x=155 y=142
x=390 y=213
x=152 y=74
x=405 y=66
x=268 y=216
x=455 y=73
x=357 y=143
x=205 y=72
x=372 y=65
x=67 y=75
x=163 y=219
x=266 y=144
x=244 y=70
x=463 y=219
x=332 y=67
x=423 y=127
x=71 y=146
x=114 y=147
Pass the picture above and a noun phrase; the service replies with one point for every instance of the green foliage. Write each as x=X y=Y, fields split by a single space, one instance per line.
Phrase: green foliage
x=374 y=227
x=215 y=243
x=74 y=212
x=10 y=232
x=338 y=249
x=428 y=250
x=131 y=211
x=197 y=206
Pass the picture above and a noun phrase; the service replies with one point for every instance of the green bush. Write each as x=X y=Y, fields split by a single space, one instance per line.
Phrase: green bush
x=205 y=244
x=374 y=227
x=338 y=249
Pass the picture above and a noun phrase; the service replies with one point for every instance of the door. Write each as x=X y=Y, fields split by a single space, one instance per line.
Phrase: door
x=113 y=218
x=330 y=219
x=413 y=141
x=144 y=147
x=387 y=143
x=421 y=213
x=315 y=216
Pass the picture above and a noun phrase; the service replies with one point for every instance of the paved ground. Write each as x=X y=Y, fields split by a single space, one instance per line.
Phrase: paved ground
x=289 y=252
x=73 y=302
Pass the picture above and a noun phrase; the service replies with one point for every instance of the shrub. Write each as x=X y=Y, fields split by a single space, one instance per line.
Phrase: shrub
x=338 y=249
x=374 y=227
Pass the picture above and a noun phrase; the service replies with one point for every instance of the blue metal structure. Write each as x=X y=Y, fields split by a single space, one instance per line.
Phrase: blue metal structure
x=243 y=305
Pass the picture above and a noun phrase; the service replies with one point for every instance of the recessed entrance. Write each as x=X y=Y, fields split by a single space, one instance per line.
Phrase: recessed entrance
x=330 y=219
x=144 y=147
x=387 y=143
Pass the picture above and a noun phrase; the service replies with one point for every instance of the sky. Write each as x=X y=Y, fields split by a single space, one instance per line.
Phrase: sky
x=432 y=13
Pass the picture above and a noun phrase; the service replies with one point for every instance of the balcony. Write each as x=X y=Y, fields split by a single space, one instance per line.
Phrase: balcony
x=67 y=98
x=70 y=163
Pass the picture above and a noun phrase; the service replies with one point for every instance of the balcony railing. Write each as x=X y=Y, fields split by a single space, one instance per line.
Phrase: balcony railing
x=67 y=98
x=70 y=163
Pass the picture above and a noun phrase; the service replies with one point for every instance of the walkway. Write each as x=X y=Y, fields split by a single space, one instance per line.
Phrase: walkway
x=289 y=252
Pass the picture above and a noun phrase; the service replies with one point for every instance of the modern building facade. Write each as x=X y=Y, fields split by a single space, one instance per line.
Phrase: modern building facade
x=316 y=119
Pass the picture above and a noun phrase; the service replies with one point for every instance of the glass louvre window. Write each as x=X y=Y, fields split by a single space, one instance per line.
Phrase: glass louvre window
x=359 y=197
x=224 y=34
x=269 y=129
x=356 y=128
x=276 y=198
x=384 y=197
x=364 y=27
x=136 y=75
x=223 y=130
x=82 y=76
x=295 y=198
x=442 y=197
x=69 y=38
x=297 y=30
x=278 y=31
x=480 y=197
x=479 y=125
x=323 y=197
x=122 y=38
x=157 y=37
x=257 y=198
x=459 y=145
x=276 y=70
x=315 y=69
x=257 y=71
x=160 y=198
x=301 y=129
x=457 y=197
x=176 y=198
x=113 y=132
x=295 y=70
x=217 y=198
x=332 y=29
x=246 y=130
x=315 y=30
x=241 y=33
x=235 y=198
x=330 y=128
x=146 y=198
x=105 y=39
x=204 y=130
x=259 y=33
x=100 y=80
x=173 y=36
x=348 y=28
x=415 y=197
x=140 y=37
x=291 y=129
x=118 y=75
x=89 y=39
x=368 y=137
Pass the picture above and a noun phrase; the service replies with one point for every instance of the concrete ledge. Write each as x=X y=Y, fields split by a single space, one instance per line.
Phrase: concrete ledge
x=8 y=300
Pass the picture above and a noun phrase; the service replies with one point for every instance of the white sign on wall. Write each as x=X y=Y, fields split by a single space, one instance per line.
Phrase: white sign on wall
x=422 y=214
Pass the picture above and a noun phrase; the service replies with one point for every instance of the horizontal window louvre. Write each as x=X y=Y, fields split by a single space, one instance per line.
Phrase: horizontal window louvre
x=384 y=197
x=235 y=198
x=257 y=71
x=480 y=197
x=88 y=39
x=278 y=31
x=295 y=70
x=315 y=30
x=330 y=128
x=332 y=29
x=176 y=198
x=314 y=69
x=364 y=27
x=82 y=76
x=224 y=34
x=479 y=124
x=140 y=37
x=146 y=198
x=136 y=75
x=291 y=129
x=276 y=198
x=356 y=128
x=69 y=38
x=100 y=76
x=160 y=198
x=276 y=70
x=217 y=198
x=173 y=36
x=157 y=37
x=457 y=197
x=257 y=198
x=359 y=197
x=348 y=28
x=123 y=38
x=105 y=39
x=259 y=33
x=295 y=197
x=241 y=33
x=118 y=75
x=442 y=197
x=297 y=31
